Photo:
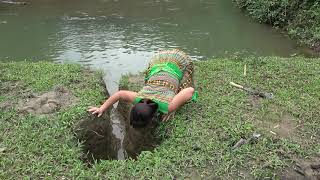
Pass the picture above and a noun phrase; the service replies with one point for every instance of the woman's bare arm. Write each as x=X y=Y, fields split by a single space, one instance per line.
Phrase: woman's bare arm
x=127 y=96
x=181 y=98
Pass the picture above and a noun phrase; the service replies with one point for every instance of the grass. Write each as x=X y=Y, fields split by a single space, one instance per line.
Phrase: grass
x=196 y=143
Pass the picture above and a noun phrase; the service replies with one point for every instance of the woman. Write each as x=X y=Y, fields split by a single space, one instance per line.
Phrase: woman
x=168 y=85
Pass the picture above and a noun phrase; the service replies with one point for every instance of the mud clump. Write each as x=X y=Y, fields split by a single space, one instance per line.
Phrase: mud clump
x=98 y=142
x=47 y=103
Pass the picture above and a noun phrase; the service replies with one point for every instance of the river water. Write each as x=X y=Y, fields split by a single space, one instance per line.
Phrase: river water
x=119 y=37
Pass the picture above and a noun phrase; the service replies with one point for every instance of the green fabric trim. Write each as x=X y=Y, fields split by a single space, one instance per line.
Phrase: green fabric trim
x=195 y=96
x=136 y=100
x=162 y=106
x=169 y=67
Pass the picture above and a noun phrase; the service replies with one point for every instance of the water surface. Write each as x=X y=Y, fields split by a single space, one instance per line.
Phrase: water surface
x=120 y=36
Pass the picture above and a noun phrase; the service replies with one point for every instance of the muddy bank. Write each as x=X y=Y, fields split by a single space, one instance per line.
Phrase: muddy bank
x=111 y=136
x=96 y=135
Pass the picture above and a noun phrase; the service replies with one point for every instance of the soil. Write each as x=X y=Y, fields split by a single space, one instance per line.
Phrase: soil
x=303 y=169
x=280 y=124
x=30 y=102
x=47 y=103
x=98 y=141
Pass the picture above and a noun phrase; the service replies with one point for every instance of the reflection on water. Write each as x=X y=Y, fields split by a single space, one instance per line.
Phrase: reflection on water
x=120 y=36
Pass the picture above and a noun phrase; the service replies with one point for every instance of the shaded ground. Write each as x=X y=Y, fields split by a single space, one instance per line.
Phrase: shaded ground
x=98 y=141
x=197 y=143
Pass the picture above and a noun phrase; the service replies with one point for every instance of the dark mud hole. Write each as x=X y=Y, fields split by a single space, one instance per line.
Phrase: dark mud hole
x=110 y=137
x=99 y=135
x=101 y=143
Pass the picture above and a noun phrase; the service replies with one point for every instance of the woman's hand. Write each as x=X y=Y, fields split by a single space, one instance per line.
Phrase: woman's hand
x=127 y=96
x=96 y=110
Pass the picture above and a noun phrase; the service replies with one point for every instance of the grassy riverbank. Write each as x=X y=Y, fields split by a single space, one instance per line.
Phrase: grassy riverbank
x=198 y=142
x=301 y=19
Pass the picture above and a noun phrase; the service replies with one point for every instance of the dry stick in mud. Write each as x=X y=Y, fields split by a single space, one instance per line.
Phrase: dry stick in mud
x=265 y=95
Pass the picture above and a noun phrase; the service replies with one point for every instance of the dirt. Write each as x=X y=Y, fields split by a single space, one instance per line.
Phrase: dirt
x=98 y=141
x=275 y=121
x=307 y=169
x=254 y=102
x=29 y=102
x=137 y=140
x=48 y=102
x=316 y=47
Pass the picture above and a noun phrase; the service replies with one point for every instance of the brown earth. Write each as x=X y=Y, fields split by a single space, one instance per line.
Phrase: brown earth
x=303 y=169
x=48 y=102
x=96 y=135
x=29 y=102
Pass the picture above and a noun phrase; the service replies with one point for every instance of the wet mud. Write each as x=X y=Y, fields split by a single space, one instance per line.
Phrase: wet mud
x=98 y=142
x=110 y=137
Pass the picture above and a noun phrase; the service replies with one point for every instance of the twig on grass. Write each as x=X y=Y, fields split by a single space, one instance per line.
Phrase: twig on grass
x=253 y=92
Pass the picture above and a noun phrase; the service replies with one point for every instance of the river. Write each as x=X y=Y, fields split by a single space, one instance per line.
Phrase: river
x=119 y=36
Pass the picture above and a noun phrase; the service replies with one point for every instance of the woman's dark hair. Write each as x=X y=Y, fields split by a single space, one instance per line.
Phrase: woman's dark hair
x=142 y=113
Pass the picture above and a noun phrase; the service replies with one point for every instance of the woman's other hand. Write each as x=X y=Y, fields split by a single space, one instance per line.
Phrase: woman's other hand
x=95 y=110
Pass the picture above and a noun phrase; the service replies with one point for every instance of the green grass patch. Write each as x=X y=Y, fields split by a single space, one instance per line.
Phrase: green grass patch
x=198 y=142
